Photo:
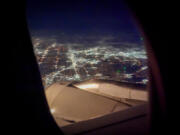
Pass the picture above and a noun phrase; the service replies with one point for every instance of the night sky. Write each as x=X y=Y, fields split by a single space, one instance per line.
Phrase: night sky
x=80 y=16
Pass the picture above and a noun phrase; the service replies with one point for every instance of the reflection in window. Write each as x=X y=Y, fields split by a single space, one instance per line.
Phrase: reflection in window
x=91 y=46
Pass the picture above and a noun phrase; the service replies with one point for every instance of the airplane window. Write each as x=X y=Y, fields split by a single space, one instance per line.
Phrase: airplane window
x=91 y=57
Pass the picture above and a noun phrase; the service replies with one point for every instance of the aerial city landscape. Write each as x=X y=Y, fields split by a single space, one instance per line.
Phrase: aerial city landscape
x=84 y=57
x=91 y=56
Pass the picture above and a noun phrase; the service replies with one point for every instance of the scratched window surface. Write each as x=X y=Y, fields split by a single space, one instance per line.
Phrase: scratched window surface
x=83 y=40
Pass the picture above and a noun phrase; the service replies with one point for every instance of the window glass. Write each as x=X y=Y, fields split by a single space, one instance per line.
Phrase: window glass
x=90 y=45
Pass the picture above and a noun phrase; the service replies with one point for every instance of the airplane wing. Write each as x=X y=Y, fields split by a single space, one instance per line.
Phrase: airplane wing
x=74 y=103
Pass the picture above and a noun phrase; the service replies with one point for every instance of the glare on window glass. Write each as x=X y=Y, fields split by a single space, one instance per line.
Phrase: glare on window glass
x=91 y=56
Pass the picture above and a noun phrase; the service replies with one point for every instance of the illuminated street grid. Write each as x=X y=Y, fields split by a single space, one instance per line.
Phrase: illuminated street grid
x=74 y=61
